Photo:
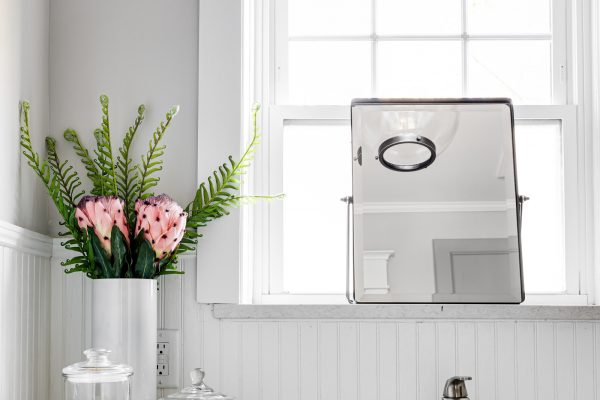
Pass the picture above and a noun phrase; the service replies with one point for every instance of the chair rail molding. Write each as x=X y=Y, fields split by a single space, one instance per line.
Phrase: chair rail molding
x=24 y=240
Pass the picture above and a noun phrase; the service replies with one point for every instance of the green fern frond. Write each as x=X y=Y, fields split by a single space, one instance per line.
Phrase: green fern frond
x=152 y=161
x=127 y=174
x=67 y=177
x=52 y=183
x=92 y=171
x=40 y=167
x=105 y=161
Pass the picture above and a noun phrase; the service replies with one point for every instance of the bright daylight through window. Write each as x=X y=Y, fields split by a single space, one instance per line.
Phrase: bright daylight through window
x=323 y=53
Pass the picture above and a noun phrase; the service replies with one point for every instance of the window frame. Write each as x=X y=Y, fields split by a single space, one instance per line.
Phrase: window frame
x=262 y=268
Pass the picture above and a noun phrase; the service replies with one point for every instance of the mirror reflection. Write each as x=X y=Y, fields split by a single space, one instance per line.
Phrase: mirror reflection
x=435 y=202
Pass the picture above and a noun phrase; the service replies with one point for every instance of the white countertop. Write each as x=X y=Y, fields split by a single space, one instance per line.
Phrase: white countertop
x=407 y=311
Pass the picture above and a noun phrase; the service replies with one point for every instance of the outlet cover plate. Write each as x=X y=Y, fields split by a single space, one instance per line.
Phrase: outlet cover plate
x=172 y=359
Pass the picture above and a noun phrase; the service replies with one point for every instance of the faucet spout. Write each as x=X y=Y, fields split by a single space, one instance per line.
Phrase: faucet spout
x=456 y=388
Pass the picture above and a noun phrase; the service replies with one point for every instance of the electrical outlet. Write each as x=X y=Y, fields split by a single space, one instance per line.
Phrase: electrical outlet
x=162 y=348
x=162 y=369
x=168 y=359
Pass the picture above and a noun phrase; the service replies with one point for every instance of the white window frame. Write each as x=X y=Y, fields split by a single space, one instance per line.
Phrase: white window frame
x=262 y=245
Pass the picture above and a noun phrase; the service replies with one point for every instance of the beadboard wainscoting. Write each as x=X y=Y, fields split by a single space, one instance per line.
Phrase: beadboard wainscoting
x=345 y=359
x=24 y=313
x=370 y=359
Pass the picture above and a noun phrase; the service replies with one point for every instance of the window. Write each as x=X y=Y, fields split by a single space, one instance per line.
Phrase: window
x=311 y=57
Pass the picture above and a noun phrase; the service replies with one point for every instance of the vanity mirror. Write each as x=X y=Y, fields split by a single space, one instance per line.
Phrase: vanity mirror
x=435 y=207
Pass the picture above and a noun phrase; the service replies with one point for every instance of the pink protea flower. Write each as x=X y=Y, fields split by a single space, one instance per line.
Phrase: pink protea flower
x=163 y=222
x=102 y=213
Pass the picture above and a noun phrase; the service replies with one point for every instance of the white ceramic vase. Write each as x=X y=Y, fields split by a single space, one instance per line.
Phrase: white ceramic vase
x=124 y=313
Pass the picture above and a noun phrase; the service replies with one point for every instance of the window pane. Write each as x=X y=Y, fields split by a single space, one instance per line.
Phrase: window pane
x=328 y=72
x=329 y=17
x=540 y=176
x=409 y=17
x=519 y=69
x=316 y=175
x=508 y=16
x=419 y=69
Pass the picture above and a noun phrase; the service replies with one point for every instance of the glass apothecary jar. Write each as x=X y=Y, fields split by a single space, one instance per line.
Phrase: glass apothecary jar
x=97 y=378
x=198 y=390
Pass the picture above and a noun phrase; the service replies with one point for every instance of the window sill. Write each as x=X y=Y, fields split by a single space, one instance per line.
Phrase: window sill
x=407 y=311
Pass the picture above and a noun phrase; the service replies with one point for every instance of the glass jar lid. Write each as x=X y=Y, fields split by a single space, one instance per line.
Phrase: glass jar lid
x=97 y=368
x=198 y=390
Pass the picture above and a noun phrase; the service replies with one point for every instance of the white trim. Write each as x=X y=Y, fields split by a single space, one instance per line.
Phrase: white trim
x=589 y=96
x=219 y=112
x=303 y=299
x=575 y=192
x=291 y=112
x=278 y=18
x=25 y=240
x=560 y=28
x=378 y=255
x=272 y=250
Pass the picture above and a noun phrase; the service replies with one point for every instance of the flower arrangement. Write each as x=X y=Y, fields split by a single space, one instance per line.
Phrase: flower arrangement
x=121 y=229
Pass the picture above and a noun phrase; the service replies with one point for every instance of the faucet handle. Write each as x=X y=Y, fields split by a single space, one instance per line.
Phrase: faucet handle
x=455 y=388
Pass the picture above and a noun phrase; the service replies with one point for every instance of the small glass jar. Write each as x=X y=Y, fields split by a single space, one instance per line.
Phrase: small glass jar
x=97 y=378
x=198 y=390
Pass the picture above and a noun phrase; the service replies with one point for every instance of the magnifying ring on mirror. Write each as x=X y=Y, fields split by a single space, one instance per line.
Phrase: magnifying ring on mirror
x=406 y=139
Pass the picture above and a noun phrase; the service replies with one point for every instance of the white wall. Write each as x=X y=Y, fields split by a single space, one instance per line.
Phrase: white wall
x=136 y=52
x=23 y=76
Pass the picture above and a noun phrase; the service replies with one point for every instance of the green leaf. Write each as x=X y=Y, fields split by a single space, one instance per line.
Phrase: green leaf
x=69 y=181
x=127 y=174
x=171 y=272
x=117 y=243
x=144 y=265
x=93 y=173
x=152 y=162
x=100 y=256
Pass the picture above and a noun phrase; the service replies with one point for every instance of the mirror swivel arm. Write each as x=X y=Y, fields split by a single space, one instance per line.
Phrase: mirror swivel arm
x=349 y=250
x=521 y=204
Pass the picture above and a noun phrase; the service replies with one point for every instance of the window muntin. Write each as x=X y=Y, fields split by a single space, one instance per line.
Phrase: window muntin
x=494 y=48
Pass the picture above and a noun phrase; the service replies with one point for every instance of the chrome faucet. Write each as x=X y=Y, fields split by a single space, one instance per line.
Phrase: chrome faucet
x=456 y=389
